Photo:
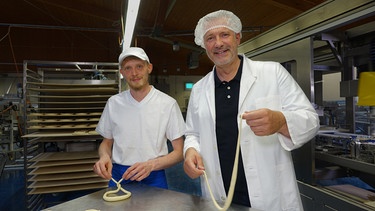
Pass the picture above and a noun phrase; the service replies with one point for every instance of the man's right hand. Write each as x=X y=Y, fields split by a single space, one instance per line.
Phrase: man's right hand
x=103 y=167
x=193 y=164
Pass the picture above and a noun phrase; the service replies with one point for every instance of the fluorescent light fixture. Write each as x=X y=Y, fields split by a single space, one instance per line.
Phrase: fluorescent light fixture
x=131 y=17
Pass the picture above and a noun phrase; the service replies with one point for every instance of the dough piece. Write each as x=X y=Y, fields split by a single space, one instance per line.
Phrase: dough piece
x=228 y=201
x=80 y=132
x=107 y=195
x=81 y=114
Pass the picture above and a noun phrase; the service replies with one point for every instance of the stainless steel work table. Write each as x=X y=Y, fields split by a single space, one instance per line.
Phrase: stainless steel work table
x=143 y=198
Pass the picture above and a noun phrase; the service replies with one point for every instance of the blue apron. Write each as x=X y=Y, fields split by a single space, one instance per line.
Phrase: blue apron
x=156 y=178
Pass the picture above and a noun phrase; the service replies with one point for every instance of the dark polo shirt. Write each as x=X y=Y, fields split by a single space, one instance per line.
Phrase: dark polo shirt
x=226 y=104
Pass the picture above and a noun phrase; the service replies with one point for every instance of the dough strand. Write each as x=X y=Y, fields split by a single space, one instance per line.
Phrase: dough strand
x=228 y=201
x=107 y=196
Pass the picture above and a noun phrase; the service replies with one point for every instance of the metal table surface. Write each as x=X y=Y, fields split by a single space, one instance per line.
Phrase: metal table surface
x=143 y=198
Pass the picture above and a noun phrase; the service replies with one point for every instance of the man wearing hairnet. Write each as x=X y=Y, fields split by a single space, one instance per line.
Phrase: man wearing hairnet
x=275 y=115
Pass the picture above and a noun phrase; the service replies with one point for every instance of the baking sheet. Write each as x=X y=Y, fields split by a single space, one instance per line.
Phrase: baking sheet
x=74 y=84
x=62 y=169
x=58 y=156
x=63 y=109
x=70 y=96
x=60 y=120
x=63 y=162
x=61 y=134
x=68 y=188
x=70 y=102
x=66 y=182
x=62 y=176
x=67 y=114
x=78 y=90
x=62 y=126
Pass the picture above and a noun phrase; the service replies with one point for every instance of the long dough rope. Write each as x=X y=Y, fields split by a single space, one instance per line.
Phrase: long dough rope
x=107 y=196
x=228 y=201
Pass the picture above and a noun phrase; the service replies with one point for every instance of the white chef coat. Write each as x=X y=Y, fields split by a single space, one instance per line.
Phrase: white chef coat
x=140 y=129
x=267 y=160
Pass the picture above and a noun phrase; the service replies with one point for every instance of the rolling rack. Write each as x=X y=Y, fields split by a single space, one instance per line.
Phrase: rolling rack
x=63 y=102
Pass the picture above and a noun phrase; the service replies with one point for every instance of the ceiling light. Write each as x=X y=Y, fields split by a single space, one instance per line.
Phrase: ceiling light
x=131 y=17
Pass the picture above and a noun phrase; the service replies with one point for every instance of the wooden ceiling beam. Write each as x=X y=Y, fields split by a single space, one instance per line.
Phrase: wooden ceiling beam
x=291 y=6
x=90 y=9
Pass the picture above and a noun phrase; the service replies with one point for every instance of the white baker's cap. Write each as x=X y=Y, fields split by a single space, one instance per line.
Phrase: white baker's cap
x=133 y=51
x=220 y=18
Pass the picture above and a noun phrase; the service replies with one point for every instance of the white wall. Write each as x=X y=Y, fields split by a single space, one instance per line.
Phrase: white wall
x=174 y=85
x=331 y=87
x=178 y=89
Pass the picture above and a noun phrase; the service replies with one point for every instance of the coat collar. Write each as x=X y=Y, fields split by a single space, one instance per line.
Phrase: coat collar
x=249 y=76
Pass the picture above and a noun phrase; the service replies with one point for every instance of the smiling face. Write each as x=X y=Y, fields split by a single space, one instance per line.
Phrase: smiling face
x=136 y=72
x=221 y=46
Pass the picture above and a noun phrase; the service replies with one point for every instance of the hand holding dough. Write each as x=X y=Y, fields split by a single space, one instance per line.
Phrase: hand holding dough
x=264 y=122
x=228 y=201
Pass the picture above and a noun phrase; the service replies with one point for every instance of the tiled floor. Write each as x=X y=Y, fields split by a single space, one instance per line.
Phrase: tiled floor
x=12 y=190
x=179 y=181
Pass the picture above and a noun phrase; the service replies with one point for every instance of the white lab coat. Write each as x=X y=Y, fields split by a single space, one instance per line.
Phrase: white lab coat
x=267 y=160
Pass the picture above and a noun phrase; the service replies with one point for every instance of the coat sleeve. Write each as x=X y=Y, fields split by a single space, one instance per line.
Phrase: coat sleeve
x=192 y=123
x=301 y=117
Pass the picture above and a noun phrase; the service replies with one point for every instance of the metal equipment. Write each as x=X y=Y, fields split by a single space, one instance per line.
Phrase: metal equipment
x=345 y=145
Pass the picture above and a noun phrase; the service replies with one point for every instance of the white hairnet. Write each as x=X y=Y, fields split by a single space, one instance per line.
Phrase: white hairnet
x=220 y=18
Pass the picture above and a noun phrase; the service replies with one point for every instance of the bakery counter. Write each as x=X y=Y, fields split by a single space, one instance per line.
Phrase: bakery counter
x=144 y=198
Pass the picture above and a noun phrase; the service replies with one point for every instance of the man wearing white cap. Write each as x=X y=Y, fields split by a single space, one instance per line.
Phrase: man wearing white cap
x=277 y=117
x=136 y=124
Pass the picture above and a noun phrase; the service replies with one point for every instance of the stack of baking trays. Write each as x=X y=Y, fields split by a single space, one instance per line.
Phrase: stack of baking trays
x=53 y=172
x=61 y=142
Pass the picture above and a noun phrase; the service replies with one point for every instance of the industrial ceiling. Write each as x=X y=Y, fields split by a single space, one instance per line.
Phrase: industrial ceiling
x=91 y=30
